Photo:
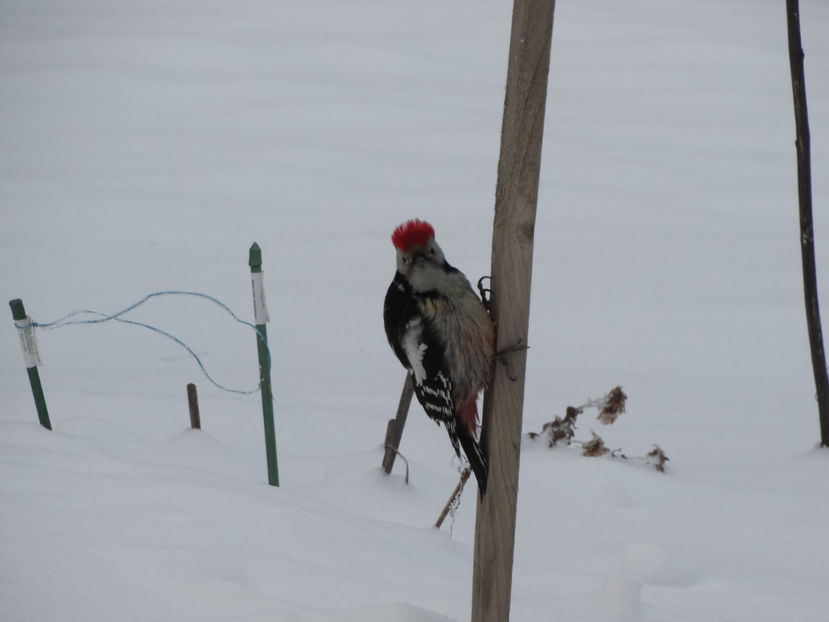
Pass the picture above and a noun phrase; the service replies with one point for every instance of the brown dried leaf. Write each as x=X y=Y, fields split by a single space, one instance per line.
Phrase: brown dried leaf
x=561 y=429
x=572 y=413
x=614 y=405
x=594 y=447
x=658 y=458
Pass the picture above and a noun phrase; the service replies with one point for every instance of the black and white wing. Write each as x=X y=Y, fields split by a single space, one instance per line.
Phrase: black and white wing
x=412 y=340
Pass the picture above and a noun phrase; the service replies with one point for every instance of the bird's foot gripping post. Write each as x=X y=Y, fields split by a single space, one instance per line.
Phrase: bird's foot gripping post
x=485 y=292
x=260 y=312
x=28 y=344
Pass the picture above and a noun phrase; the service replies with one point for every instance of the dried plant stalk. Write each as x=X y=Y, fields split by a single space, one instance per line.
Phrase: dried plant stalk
x=454 y=499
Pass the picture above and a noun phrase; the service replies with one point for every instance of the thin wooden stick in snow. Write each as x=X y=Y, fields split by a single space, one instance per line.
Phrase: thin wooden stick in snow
x=452 y=499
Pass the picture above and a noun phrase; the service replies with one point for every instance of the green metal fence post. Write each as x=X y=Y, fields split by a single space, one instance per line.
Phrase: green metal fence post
x=260 y=314
x=30 y=358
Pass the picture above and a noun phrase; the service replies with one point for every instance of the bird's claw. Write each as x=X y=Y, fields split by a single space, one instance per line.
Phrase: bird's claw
x=485 y=292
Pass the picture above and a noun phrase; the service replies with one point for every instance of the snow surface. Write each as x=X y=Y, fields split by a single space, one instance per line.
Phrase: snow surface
x=147 y=144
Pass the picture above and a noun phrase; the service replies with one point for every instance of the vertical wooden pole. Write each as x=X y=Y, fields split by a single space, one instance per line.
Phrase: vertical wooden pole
x=807 y=237
x=193 y=402
x=394 y=429
x=31 y=359
x=516 y=197
x=260 y=313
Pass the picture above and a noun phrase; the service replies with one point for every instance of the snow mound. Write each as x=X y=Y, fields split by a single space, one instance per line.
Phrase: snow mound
x=650 y=564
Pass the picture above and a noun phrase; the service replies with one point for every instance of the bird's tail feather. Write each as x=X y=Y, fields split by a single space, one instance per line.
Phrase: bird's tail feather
x=477 y=460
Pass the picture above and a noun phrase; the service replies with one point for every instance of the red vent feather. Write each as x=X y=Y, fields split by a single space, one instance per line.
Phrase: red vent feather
x=415 y=232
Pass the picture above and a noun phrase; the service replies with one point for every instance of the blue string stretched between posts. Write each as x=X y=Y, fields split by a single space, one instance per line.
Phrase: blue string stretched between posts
x=103 y=317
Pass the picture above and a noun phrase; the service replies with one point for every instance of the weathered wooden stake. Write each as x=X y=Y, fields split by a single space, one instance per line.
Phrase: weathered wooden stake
x=394 y=429
x=807 y=237
x=193 y=401
x=31 y=359
x=516 y=197
x=260 y=313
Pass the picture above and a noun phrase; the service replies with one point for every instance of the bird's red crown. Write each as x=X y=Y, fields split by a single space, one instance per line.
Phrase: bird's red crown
x=415 y=232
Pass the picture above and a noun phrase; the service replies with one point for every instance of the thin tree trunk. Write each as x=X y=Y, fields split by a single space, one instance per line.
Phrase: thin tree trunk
x=807 y=239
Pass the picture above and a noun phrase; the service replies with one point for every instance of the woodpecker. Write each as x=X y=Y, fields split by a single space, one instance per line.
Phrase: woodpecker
x=442 y=333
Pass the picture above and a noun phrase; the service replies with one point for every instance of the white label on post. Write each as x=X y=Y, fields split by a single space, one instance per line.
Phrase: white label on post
x=28 y=342
x=260 y=309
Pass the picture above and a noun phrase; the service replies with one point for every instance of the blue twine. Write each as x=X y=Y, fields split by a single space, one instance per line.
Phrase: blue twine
x=103 y=317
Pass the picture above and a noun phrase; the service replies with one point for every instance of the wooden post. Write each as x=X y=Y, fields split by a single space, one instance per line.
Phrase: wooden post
x=31 y=359
x=394 y=429
x=193 y=401
x=260 y=313
x=807 y=237
x=516 y=197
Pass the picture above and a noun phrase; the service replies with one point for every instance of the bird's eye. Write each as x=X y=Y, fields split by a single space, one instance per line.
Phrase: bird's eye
x=432 y=251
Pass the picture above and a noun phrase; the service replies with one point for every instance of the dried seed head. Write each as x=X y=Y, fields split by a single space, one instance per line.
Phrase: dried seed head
x=614 y=405
x=594 y=447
